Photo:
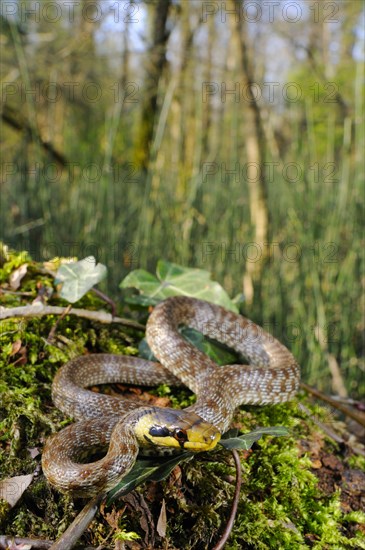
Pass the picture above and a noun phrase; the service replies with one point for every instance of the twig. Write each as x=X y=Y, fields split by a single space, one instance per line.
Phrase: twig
x=15 y=292
x=20 y=123
x=321 y=425
x=349 y=401
x=357 y=416
x=38 y=309
x=8 y=542
x=333 y=435
x=232 y=517
x=54 y=328
x=106 y=299
x=72 y=534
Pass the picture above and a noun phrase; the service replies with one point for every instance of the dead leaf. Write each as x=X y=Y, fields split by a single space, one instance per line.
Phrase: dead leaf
x=17 y=275
x=113 y=517
x=162 y=521
x=15 y=347
x=332 y=462
x=137 y=502
x=13 y=545
x=18 y=349
x=12 y=488
x=34 y=452
x=162 y=402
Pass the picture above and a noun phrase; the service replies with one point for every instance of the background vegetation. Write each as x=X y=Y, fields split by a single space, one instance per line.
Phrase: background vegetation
x=122 y=138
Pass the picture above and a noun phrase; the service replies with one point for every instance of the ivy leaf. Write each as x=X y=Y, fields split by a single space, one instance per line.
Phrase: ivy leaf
x=246 y=441
x=145 y=351
x=174 y=280
x=153 y=469
x=219 y=353
x=78 y=277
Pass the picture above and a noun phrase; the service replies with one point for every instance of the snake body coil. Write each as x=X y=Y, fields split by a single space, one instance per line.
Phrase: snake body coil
x=124 y=426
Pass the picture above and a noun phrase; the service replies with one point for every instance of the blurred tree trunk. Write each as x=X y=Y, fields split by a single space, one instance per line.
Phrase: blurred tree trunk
x=157 y=62
x=207 y=105
x=82 y=58
x=201 y=152
x=255 y=156
x=180 y=104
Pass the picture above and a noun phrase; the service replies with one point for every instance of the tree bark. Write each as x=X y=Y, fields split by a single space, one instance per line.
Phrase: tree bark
x=154 y=72
x=255 y=145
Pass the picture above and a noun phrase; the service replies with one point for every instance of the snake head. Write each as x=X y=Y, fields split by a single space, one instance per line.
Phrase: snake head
x=176 y=429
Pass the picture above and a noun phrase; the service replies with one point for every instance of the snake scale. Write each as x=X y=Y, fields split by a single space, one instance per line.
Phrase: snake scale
x=123 y=426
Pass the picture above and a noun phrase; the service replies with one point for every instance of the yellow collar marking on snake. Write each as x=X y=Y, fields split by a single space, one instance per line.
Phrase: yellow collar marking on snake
x=171 y=430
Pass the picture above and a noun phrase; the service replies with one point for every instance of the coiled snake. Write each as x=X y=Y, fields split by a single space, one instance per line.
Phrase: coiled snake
x=125 y=426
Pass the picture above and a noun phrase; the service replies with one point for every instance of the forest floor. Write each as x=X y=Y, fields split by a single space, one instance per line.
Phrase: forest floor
x=306 y=490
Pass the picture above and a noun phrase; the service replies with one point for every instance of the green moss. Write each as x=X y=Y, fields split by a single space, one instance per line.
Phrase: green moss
x=357 y=461
x=179 y=397
x=280 y=505
x=10 y=261
x=123 y=535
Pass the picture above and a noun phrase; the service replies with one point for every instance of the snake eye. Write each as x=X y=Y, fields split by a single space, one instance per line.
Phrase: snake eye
x=159 y=431
x=180 y=435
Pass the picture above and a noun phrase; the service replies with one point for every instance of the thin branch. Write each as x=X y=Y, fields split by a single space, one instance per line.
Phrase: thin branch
x=52 y=332
x=72 y=534
x=232 y=517
x=321 y=425
x=357 y=416
x=38 y=310
x=333 y=435
x=106 y=299
x=15 y=292
x=315 y=66
x=22 y=125
x=9 y=541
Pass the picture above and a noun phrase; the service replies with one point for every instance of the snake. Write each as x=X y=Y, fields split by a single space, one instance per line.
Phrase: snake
x=269 y=374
